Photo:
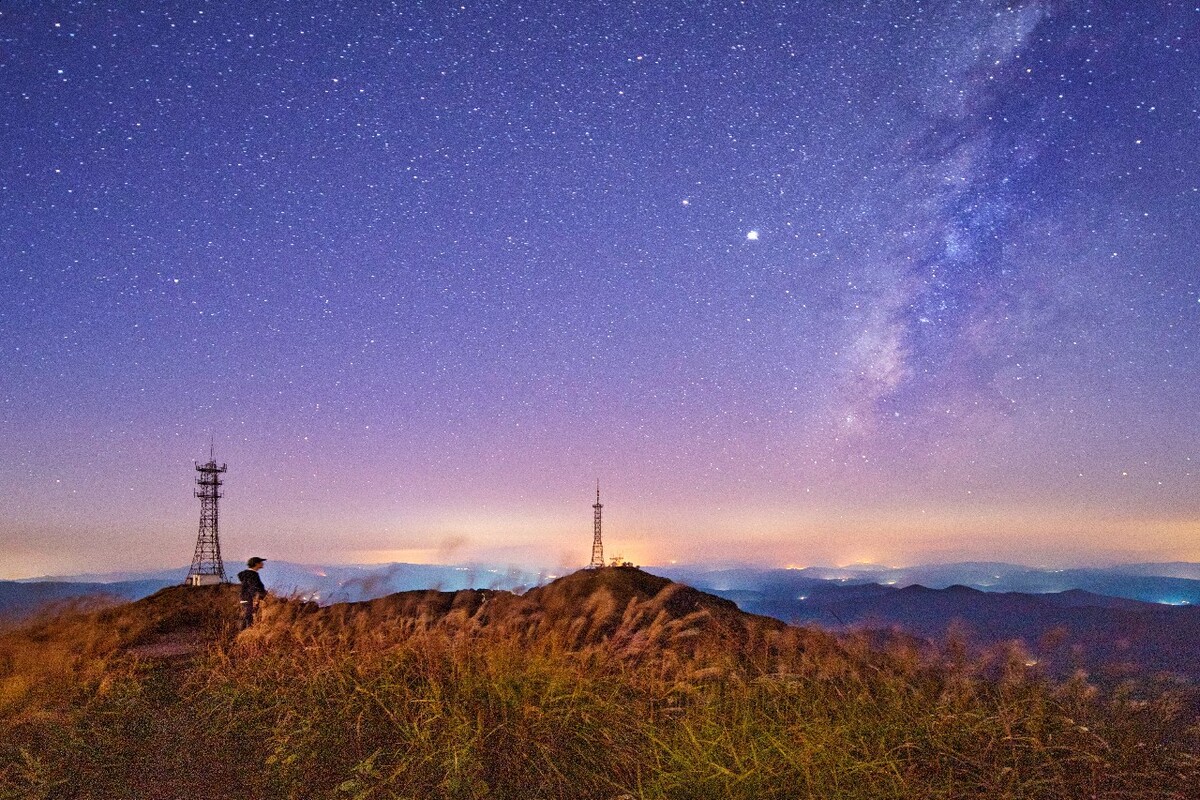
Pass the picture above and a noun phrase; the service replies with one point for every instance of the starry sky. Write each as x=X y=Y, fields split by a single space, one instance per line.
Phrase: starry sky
x=800 y=283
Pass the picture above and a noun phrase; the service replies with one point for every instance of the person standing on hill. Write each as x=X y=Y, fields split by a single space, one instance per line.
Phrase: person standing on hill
x=252 y=589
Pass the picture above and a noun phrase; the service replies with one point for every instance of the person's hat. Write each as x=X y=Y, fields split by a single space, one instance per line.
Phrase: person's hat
x=254 y=562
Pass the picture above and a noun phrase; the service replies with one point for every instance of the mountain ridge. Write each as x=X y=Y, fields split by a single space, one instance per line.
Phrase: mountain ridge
x=624 y=609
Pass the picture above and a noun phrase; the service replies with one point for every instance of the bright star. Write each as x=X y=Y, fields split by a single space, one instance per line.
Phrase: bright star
x=752 y=236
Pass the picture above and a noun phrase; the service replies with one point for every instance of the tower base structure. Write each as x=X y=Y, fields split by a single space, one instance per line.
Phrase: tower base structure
x=203 y=580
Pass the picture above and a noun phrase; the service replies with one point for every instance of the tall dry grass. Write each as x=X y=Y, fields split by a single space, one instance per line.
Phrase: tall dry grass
x=378 y=706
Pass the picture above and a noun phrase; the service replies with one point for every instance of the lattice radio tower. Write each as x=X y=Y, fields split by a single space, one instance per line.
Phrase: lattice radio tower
x=207 y=566
x=597 y=544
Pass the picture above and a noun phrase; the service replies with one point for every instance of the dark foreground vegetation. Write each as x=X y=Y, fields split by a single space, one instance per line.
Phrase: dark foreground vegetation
x=606 y=684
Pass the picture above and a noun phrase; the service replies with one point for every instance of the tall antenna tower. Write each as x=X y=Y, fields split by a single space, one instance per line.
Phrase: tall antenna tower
x=207 y=566
x=597 y=544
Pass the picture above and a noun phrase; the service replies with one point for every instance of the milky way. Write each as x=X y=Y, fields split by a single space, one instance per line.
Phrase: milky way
x=799 y=283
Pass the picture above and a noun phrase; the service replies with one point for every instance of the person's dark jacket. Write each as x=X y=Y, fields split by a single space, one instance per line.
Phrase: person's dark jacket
x=252 y=585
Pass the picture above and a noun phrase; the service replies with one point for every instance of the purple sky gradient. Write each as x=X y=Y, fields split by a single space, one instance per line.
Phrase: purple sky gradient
x=800 y=283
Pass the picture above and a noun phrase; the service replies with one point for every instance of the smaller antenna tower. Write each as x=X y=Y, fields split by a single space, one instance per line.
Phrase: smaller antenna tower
x=597 y=544
x=207 y=566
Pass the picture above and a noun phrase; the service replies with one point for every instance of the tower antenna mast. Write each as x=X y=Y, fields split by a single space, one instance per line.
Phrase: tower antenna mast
x=207 y=566
x=597 y=543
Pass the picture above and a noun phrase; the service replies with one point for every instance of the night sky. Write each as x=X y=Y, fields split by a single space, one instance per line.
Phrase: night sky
x=800 y=283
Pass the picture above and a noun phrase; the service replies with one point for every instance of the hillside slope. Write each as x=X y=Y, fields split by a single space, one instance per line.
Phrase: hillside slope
x=603 y=684
x=628 y=611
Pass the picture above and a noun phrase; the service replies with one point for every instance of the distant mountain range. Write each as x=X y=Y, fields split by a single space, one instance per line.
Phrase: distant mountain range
x=19 y=600
x=1173 y=583
x=1112 y=626
x=1176 y=583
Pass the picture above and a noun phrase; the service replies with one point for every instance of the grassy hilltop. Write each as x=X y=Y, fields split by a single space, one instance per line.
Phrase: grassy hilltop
x=603 y=684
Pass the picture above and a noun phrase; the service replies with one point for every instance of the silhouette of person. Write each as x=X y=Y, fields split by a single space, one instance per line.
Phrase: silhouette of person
x=252 y=590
